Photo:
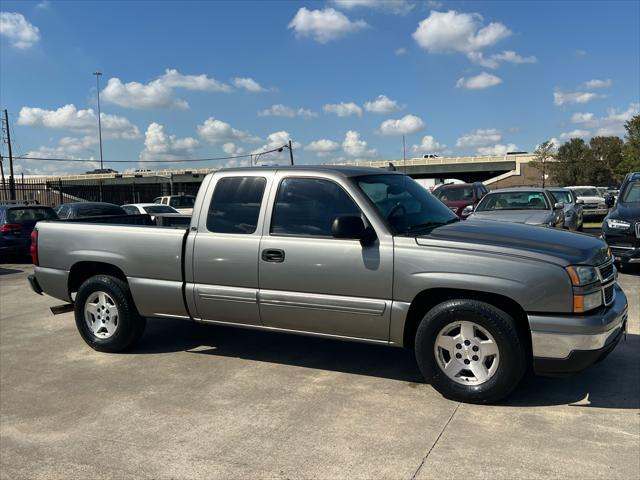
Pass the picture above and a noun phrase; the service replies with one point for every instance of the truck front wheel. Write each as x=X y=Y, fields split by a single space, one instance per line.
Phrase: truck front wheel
x=106 y=316
x=470 y=351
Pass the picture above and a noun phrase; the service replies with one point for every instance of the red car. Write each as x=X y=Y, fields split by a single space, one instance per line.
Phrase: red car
x=461 y=198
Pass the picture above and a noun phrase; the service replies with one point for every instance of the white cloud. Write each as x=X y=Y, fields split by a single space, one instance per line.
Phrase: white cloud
x=216 y=131
x=397 y=7
x=280 y=110
x=322 y=147
x=498 y=149
x=400 y=51
x=17 y=29
x=494 y=61
x=43 y=5
x=154 y=94
x=403 y=126
x=276 y=140
x=577 y=133
x=158 y=145
x=596 y=83
x=69 y=148
x=480 y=137
x=354 y=146
x=478 y=82
x=382 y=104
x=610 y=124
x=249 y=84
x=564 y=98
x=343 y=109
x=446 y=32
x=159 y=93
x=83 y=121
x=324 y=25
x=429 y=145
x=231 y=148
x=581 y=53
x=174 y=79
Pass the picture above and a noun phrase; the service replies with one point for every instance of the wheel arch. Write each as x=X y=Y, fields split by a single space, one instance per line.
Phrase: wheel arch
x=81 y=271
x=427 y=299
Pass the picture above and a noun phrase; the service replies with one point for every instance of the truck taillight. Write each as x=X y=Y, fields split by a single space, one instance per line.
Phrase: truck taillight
x=33 y=249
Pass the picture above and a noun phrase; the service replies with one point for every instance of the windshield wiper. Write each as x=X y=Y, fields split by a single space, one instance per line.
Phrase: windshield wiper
x=423 y=226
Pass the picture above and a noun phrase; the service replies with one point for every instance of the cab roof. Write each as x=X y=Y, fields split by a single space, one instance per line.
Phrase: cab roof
x=343 y=170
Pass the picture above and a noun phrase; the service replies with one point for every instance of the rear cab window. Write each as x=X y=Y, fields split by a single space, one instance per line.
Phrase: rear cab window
x=235 y=205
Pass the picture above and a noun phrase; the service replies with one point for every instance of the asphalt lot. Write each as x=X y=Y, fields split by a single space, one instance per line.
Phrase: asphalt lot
x=211 y=402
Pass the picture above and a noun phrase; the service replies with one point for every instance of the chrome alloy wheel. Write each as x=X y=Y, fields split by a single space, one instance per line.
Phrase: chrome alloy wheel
x=467 y=353
x=101 y=314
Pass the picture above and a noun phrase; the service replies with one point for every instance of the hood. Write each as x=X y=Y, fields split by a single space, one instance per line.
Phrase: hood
x=626 y=211
x=530 y=217
x=547 y=244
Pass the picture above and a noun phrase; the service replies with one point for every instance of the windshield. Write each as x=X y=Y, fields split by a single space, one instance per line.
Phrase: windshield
x=30 y=215
x=587 y=192
x=454 y=194
x=407 y=207
x=160 y=209
x=513 y=201
x=562 y=196
x=632 y=193
x=186 y=201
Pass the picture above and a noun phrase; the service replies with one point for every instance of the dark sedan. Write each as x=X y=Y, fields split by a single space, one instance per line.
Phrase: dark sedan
x=68 y=211
x=16 y=224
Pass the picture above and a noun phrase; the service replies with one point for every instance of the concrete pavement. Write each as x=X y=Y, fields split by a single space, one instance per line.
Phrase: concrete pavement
x=211 y=402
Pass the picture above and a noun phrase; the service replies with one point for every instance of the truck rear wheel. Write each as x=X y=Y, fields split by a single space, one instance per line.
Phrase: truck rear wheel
x=106 y=316
x=470 y=351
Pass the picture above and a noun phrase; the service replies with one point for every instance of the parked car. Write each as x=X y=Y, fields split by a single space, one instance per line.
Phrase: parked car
x=148 y=208
x=101 y=170
x=621 y=227
x=182 y=203
x=529 y=205
x=16 y=224
x=68 y=211
x=461 y=198
x=347 y=253
x=430 y=155
x=573 y=217
x=594 y=205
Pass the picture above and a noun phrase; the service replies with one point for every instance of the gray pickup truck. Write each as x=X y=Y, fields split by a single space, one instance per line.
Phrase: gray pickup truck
x=352 y=254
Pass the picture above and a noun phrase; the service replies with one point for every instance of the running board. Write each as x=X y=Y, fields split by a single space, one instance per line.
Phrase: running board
x=64 y=308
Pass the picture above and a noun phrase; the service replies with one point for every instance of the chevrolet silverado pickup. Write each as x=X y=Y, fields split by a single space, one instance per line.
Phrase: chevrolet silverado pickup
x=347 y=253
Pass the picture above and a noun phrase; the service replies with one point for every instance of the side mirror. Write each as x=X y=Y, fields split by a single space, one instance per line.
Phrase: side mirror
x=351 y=227
x=468 y=210
x=579 y=202
x=558 y=206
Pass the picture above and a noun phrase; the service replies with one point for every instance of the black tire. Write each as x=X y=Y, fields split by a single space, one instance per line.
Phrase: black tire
x=512 y=349
x=130 y=326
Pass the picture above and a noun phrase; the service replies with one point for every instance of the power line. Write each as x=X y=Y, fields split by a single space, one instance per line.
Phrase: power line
x=186 y=160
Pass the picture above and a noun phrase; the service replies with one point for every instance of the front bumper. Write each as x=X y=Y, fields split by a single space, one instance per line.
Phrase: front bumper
x=568 y=344
x=594 y=212
x=625 y=246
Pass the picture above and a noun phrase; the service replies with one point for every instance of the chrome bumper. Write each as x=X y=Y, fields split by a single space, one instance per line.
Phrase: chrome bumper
x=558 y=336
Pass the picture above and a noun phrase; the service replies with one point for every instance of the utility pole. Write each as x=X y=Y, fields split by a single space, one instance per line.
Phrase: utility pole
x=98 y=74
x=404 y=156
x=291 y=152
x=12 y=182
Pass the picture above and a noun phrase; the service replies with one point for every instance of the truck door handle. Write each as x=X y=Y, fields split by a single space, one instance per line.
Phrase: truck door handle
x=274 y=255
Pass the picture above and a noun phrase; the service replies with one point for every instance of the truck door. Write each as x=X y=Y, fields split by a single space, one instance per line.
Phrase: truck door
x=309 y=280
x=225 y=249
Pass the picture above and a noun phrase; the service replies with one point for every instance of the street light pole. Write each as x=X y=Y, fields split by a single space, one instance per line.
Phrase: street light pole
x=98 y=74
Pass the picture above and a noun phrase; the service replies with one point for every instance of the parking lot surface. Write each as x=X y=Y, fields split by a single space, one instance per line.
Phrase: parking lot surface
x=196 y=401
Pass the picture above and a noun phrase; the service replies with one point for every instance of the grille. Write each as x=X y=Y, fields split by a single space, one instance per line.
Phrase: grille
x=606 y=270
x=637 y=229
x=608 y=292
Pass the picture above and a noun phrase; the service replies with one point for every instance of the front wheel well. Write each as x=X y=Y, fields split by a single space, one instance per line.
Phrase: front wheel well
x=427 y=299
x=82 y=271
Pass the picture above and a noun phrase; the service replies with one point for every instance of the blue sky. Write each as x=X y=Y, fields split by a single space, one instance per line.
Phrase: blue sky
x=208 y=79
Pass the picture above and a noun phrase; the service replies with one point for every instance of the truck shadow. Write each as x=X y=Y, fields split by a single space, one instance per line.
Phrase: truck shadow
x=612 y=383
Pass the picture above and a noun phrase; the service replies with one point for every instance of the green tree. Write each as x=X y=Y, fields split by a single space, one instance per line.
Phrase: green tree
x=542 y=154
x=631 y=152
x=570 y=161
x=605 y=156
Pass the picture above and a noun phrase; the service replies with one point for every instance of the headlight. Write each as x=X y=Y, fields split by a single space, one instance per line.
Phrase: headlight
x=584 y=303
x=618 y=224
x=582 y=275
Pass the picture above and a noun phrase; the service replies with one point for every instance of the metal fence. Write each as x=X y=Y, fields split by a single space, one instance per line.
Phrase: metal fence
x=53 y=191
